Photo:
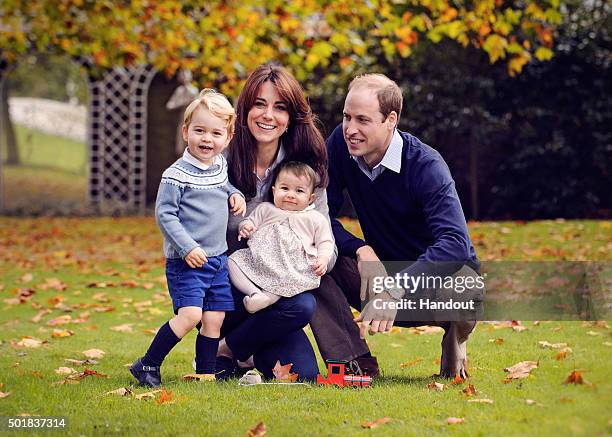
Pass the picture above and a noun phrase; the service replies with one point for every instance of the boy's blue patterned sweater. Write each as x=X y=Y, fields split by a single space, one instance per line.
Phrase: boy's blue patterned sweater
x=192 y=206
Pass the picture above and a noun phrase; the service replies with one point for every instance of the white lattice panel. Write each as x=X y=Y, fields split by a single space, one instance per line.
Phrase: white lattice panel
x=118 y=138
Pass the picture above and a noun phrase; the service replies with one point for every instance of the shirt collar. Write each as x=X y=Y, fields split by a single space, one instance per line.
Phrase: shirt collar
x=199 y=164
x=393 y=156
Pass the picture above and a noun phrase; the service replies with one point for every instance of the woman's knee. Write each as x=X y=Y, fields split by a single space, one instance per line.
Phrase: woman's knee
x=304 y=306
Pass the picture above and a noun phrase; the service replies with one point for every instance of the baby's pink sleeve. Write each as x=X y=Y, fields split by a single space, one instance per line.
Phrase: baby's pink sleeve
x=324 y=238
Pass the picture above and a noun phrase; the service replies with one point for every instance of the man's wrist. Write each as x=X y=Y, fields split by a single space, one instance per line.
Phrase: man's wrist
x=364 y=251
x=396 y=293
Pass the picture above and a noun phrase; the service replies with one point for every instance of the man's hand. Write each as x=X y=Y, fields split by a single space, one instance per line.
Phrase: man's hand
x=246 y=230
x=377 y=316
x=369 y=266
x=237 y=204
x=196 y=258
x=320 y=265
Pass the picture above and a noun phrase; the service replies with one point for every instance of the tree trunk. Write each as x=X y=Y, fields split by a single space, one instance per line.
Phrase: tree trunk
x=7 y=133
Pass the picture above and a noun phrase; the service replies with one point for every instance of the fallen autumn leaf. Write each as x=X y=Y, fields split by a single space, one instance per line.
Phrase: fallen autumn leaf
x=375 y=423
x=258 y=431
x=520 y=370
x=94 y=353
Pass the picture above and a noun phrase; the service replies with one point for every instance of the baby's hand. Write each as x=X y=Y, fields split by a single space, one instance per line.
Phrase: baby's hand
x=320 y=265
x=196 y=258
x=246 y=230
x=238 y=204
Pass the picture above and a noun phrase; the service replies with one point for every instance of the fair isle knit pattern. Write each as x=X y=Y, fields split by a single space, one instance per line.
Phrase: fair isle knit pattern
x=180 y=175
x=192 y=207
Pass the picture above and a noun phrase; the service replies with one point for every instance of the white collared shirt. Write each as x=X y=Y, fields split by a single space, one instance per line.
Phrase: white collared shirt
x=391 y=160
x=197 y=163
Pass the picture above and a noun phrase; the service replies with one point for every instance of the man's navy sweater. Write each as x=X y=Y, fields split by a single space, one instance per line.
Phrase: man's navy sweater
x=407 y=216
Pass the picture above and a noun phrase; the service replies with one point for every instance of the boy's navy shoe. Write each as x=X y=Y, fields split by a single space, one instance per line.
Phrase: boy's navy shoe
x=147 y=376
x=226 y=368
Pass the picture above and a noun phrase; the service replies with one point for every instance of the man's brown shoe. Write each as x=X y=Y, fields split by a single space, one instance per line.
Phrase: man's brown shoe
x=365 y=366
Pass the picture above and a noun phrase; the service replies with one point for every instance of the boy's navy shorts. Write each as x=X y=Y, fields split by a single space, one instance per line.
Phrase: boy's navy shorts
x=207 y=287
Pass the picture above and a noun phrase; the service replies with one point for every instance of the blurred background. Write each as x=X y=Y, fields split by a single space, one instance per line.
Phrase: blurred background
x=516 y=96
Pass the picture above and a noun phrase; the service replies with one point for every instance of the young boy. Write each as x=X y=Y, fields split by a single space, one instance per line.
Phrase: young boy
x=192 y=213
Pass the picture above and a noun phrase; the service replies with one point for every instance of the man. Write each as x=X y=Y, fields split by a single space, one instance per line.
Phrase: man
x=408 y=209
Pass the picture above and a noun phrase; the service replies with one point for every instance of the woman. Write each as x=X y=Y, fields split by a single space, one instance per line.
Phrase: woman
x=274 y=123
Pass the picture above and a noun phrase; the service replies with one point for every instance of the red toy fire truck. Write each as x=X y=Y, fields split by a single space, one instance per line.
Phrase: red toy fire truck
x=339 y=374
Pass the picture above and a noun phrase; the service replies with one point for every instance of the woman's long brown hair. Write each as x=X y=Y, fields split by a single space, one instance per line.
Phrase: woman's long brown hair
x=302 y=141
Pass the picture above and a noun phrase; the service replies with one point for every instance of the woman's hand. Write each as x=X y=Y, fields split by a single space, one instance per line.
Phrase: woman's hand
x=246 y=230
x=196 y=258
x=320 y=265
x=237 y=204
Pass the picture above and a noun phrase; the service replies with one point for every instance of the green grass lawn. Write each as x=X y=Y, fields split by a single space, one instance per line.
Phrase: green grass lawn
x=105 y=273
x=51 y=177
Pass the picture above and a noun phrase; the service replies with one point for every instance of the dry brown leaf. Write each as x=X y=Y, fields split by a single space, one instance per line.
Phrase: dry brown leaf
x=27 y=277
x=198 y=377
x=104 y=309
x=12 y=301
x=166 y=397
x=83 y=317
x=519 y=328
x=547 y=345
x=283 y=373
x=561 y=355
x=458 y=380
x=94 y=353
x=375 y=423
x=55 y=300
x=65 y=371
x=147 y=395
x=521 y=370
x=87 y=362
x=596 y=323
x=5 y=395
x=258 y=431
x=576 y=378
x=61 y=333
x=100 y=297
x=126 y=327
x=31 y=342
x=480 y=401
x=87 y=372
x=436 y=386
x=455 y=420
x=150 y=331
x=38 y=317
x=426 y=329
x=123 y=391
x=60 y=320
x=411 y=363
x=530 y=402
x=469 y=390
x=594 y=334
x=100 y=285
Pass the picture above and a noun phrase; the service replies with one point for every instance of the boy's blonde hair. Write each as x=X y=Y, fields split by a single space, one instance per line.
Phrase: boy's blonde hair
x=217 y=104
